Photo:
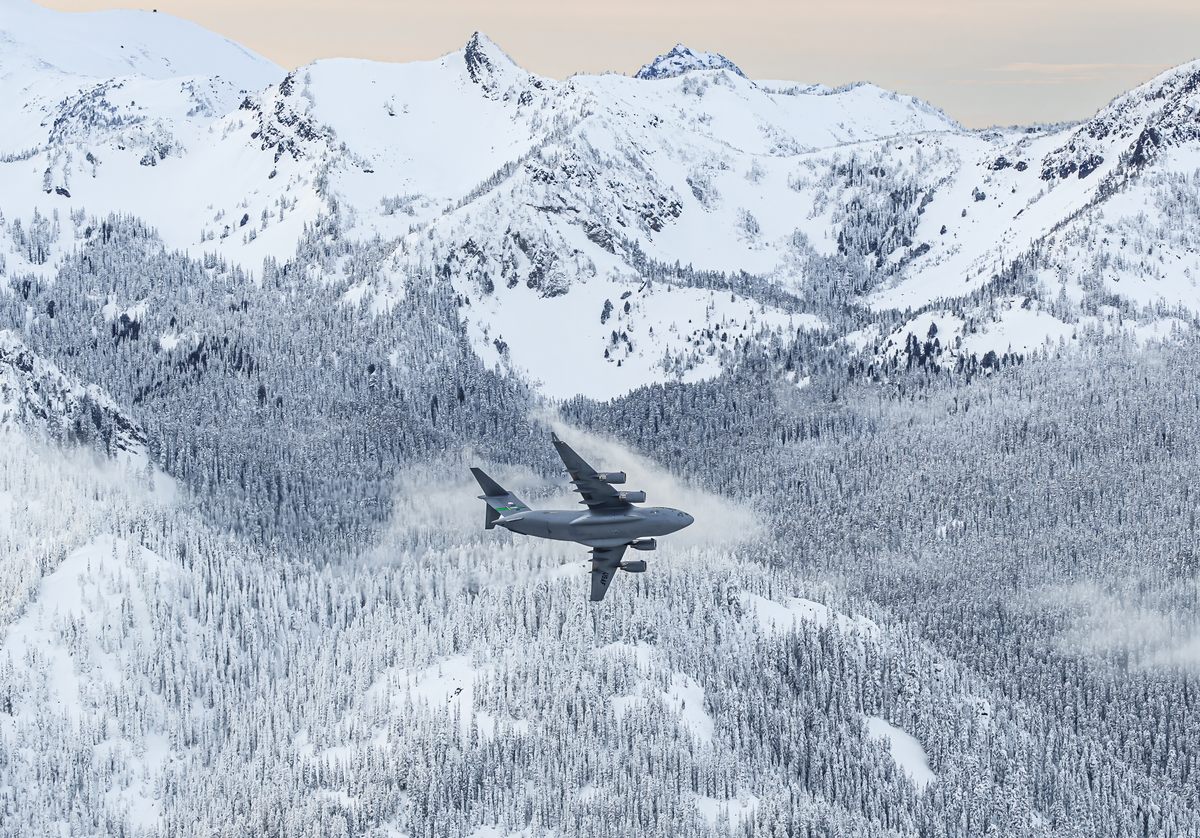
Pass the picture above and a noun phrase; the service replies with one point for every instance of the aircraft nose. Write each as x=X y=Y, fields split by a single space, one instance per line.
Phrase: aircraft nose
x=686 y=520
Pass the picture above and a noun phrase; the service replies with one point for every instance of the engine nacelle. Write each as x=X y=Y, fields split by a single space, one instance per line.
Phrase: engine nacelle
x=632 y=497
x=611 y=476
x=644 y=544
x=638 y=566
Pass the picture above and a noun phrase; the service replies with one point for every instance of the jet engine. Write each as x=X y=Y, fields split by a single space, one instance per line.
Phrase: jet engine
x=632 y=497
x=611 y=476
x=643 y=544
x=638 y=566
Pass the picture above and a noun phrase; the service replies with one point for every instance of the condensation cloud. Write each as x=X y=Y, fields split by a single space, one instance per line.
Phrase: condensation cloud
x=1101 y=622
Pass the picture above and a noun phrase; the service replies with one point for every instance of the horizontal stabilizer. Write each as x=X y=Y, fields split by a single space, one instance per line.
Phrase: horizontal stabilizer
x=500 y=501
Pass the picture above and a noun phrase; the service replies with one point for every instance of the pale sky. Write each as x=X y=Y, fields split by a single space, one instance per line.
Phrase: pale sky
x=985 y=62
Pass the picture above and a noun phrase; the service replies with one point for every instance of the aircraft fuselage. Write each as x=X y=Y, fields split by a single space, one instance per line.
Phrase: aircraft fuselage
x=609 y=528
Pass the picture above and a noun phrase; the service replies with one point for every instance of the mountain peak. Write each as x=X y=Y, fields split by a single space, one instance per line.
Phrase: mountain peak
x=683 y=59
x=486 y=61
x=481 y=42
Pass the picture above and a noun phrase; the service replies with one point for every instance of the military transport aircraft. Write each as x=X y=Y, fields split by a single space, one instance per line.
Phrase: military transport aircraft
x=610 y=524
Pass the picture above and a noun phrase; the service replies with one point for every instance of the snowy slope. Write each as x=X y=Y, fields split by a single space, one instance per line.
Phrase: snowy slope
x=46 y=56
x=111 y=44
x=905 y=749
x=123 y=111
x=665 y=333
x=36 y=395
x=88 y=627
x=1110 y=200
x=77 y=648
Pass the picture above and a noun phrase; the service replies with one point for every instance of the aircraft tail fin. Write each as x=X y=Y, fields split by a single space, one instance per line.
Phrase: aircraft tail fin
x=500 y=501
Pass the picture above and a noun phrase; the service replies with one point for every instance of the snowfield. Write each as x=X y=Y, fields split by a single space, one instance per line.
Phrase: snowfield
x=566 y=347
x=905 y=749
x=775 y=617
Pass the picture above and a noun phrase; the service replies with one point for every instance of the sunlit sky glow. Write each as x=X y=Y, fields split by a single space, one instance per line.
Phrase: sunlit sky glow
x=985 y=62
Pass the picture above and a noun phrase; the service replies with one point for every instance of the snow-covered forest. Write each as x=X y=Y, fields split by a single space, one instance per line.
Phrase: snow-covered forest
x=930 y=394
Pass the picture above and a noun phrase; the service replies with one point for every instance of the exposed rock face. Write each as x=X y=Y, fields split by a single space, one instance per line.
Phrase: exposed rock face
x=682 y=59
x=35 y=394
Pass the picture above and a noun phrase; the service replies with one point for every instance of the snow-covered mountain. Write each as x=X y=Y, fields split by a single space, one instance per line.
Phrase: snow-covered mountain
x=597 y=178
x=254 y=325
x=48 y=56
x=1048 y=188
x=598 y=182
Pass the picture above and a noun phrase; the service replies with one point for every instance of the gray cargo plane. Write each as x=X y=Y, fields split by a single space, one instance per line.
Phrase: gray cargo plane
x=610 y=524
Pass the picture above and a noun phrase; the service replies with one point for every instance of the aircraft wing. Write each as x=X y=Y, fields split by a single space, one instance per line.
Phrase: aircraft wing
x=605 y=563
x=596 y=493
